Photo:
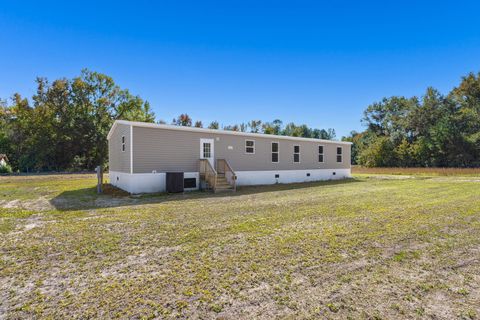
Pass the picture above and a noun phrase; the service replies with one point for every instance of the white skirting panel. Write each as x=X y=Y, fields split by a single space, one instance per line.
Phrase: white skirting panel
x=155 y=182
x=145 y=182
x=245 y=178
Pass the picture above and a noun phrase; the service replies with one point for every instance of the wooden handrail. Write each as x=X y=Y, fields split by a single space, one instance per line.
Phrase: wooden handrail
x=209 y=172
x=227 y=168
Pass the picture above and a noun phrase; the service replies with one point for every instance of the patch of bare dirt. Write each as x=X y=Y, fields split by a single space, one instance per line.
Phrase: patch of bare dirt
x=40 y=204
x=149 y=260
x=32 y=222
x=106 y=202
x=456 y=179
x=391 y=177
x=111 y=190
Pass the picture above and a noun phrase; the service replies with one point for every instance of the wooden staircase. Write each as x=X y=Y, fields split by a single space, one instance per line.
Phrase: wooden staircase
x=222 y=183
x=222 y=179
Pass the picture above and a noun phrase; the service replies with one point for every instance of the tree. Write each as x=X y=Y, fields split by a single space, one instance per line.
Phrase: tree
x=328 y=134
x=404 y=153
x=274 y=127
x=69 y=120
x=435 y=130
x=214 y=125
x=277 y=126
x=97 y=102
x=255 y=126
x=378 y=153
x=234 y=127
x=242 y=127
x=466 y=98
x=422 y=117
x=388 y=117
x=183 y=120
x=358 y=144
x=198 y=124
x=291 y=130
x=6 y=117
x=20 y=131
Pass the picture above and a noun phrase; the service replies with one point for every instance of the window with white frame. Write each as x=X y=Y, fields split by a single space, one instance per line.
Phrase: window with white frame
x=296 y=154
x=275 y=152
x=123 y=143
x=207 y=150
x=339 y=154
x=250 y=146
x=320 y=154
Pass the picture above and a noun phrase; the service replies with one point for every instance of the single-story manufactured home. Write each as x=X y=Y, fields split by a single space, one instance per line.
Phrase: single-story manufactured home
x=148 y=157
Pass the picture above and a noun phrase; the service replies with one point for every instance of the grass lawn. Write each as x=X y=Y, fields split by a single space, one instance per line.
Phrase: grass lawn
x=373 y=247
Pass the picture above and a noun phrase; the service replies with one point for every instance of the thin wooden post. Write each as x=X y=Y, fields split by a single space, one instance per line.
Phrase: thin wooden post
x=99 y=171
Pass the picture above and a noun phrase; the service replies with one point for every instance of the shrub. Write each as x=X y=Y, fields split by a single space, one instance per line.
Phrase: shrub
x=5 y=169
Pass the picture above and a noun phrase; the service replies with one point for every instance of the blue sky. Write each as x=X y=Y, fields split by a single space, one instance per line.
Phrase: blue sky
x=319 y=62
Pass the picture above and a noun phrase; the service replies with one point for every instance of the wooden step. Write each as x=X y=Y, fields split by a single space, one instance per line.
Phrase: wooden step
x=224 y=186
x=221 y=185
x=219 y=189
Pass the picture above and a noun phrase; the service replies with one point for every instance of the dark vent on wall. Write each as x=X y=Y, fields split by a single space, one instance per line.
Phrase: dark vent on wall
x=334 y=173
x=277 y=176
x=189 y=183
x=308 y=174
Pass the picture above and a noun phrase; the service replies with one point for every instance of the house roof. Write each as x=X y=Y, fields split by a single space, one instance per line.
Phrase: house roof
x=217 y=131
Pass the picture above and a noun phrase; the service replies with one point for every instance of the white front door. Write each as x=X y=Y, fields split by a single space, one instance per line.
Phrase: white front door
x=207 y=150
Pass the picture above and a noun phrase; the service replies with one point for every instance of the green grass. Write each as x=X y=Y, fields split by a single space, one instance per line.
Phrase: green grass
x=418 y=171
x=372 y=247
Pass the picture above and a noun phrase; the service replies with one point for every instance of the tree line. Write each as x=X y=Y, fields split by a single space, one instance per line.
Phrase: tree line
x=433 y=130
x=64 y=126
x=275 y=127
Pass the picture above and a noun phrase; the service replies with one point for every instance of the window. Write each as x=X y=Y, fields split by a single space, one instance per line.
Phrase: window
x=274 y=151
x=339 y=154
x=249 y=146
x=296 y=153
x=123 y=143
x=320 y=153
x=207 y=150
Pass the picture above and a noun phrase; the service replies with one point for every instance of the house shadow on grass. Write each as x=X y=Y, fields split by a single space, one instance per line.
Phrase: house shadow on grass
x=87 y=198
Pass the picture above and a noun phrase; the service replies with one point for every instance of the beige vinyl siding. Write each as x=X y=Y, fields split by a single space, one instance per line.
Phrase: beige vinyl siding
x=118 y=160
x=175 y=150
